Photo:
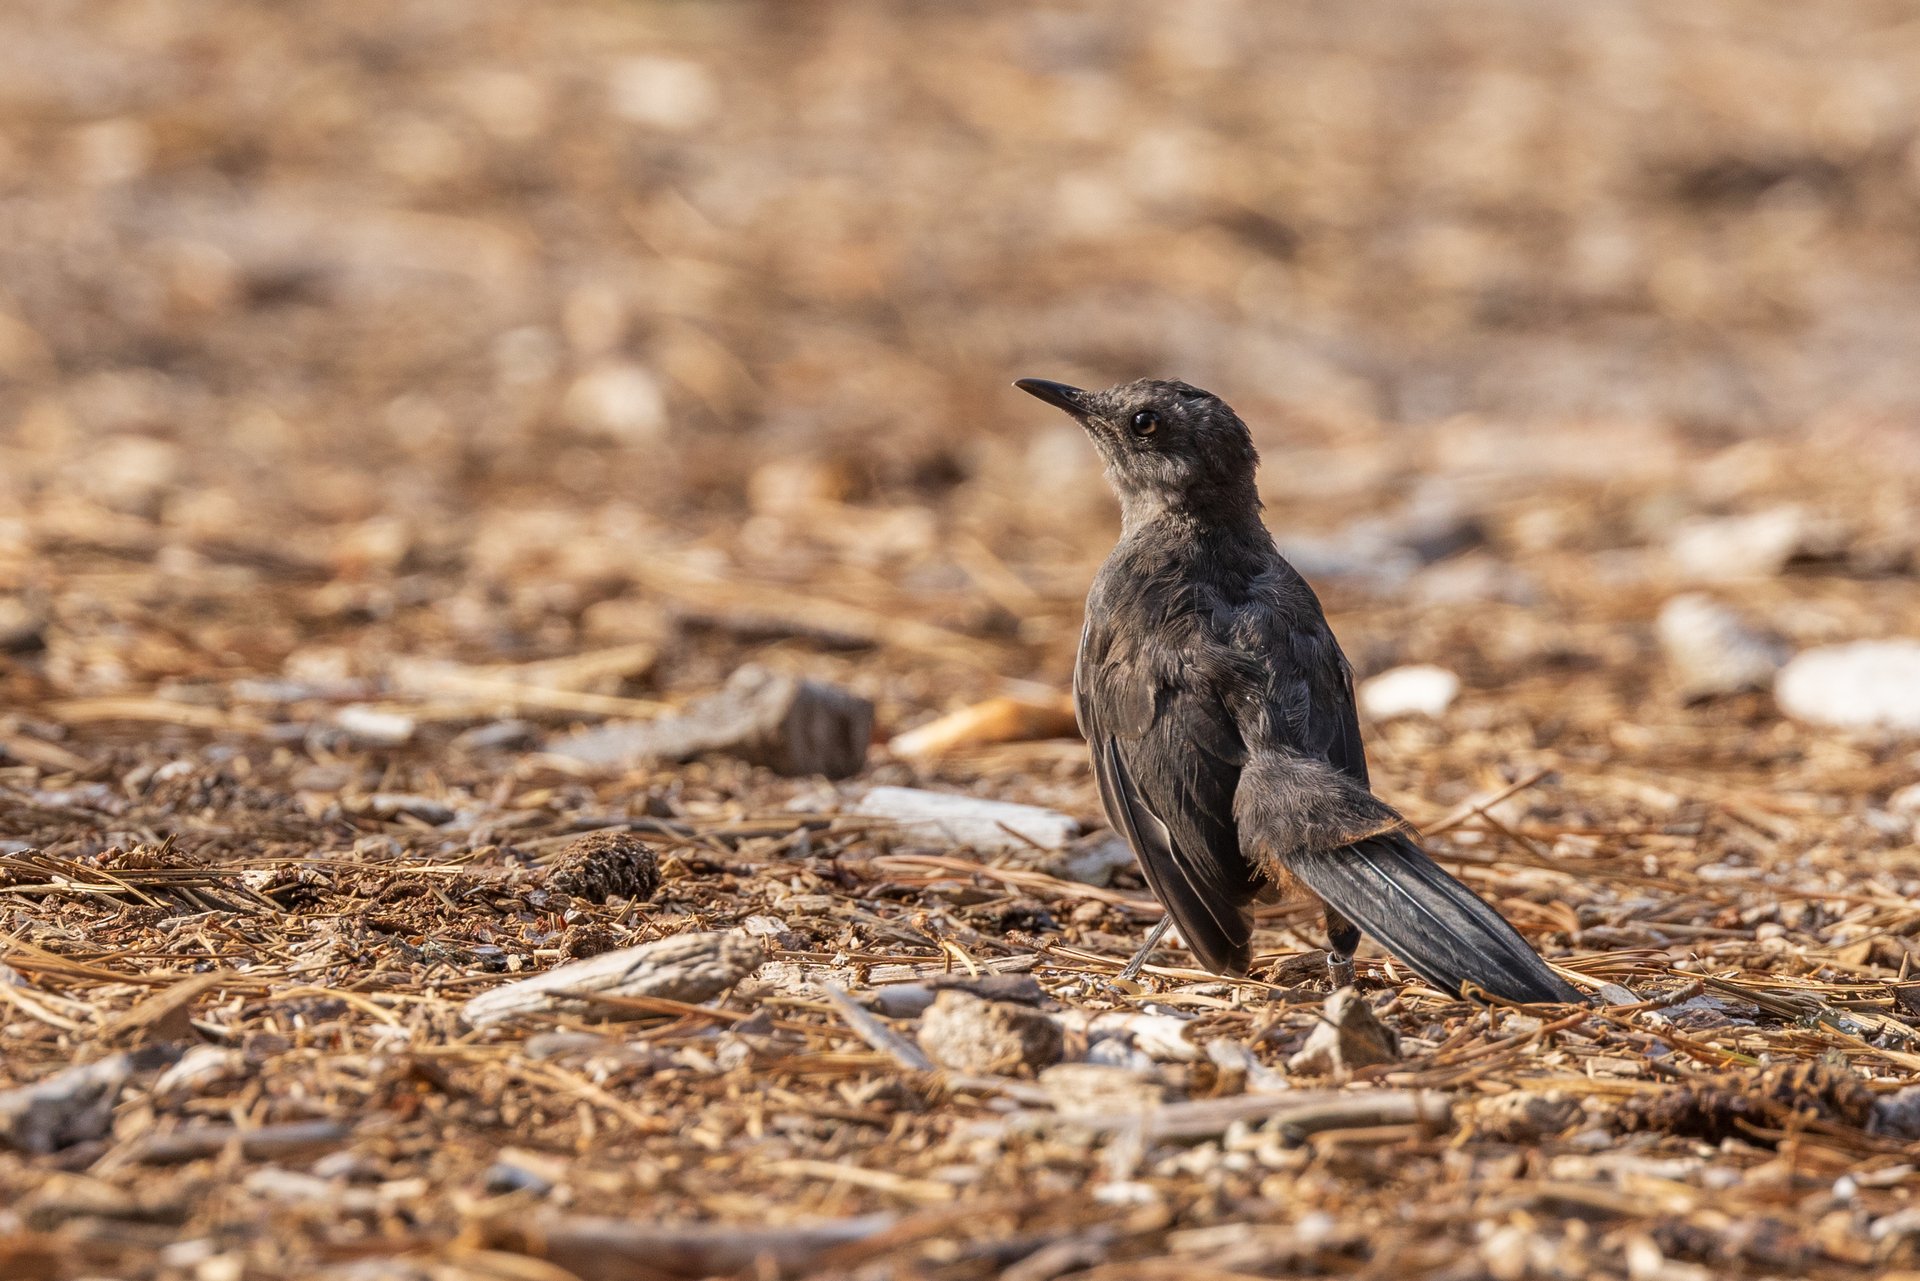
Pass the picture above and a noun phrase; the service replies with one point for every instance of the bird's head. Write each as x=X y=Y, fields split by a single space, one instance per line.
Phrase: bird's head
x=1168 y=446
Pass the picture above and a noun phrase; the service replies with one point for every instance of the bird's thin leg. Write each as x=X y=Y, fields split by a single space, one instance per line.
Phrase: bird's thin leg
x=1158 y=932
x=1343 y=939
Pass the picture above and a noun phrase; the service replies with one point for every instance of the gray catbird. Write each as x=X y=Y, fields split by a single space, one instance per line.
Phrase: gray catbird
x=1220 y=713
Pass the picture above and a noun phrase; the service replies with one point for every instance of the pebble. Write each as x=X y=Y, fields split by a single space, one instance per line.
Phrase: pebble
x=392 y=805
x=199 y=1070
x=1418 y=690
x=669 y=93
x=1757 y=545
x=370 y=727
x=1474 y=579
x=1522 y=1116
x=969 y=1034
x=1860 y=685
x=1897 y=1115
x=1090 y=863
x=1712 y=651
x=620 y=400
x=509 y=735
x=22 y=628
x=505 y=1176
x=1348 y=1036
x=1093 y=1089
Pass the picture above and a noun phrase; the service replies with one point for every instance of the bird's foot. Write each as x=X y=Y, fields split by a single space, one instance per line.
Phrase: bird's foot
x=1131 y=973
x=1339 y=971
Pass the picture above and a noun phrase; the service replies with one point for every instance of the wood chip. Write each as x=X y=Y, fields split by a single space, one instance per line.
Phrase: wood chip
x=686 y=967
x=791 y=726
x=998 y=720
x=604 y=1249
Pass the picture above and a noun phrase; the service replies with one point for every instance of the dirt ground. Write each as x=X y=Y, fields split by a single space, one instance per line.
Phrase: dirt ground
x=390 y=391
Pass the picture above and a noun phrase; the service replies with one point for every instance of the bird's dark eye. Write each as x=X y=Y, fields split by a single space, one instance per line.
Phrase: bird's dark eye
x=1145 y=423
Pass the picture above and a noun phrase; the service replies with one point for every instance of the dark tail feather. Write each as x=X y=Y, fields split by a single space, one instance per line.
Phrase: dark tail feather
x=1390 y=888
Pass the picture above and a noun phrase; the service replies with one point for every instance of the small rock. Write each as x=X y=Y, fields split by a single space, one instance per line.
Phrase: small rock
x=69 y=1107
x=903 y=1000
x=669 y=93
x=1092 y=862
x=568 y=1045
x=348 y=1166
x=1522 y=1116
x=791 y=726
x=1162 y=1038
x=370 y=727
x=1712 y=651
x=1092 y=1089
x=1347 y=1037
x=1897 y=1115
x=199 y=1070
x=1906 y=801
x=948 y=818
x=1509 y=1252
x=911 y=1000
x=1862 y=685
x=619 y=400
x=1433 y=528
x=22 y=628
x=1474 y=579
x=1376 y=566
x=513 y=1174
x=391 y=805
x=606 y=864
x=969 y=1034
x=1758 y=545
x=498 y=736
x=1418 y=690
x=774 y=930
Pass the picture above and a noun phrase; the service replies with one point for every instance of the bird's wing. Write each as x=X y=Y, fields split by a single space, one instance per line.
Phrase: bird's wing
x=1308 y=686
x=1167 y=757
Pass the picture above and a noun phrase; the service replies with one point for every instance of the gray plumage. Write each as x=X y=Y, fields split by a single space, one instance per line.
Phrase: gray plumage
x=1220 y=714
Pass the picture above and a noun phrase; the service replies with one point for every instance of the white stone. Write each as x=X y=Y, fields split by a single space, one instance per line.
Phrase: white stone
x=947 y=818
x=1906 y=800
x=670 y=93
x=1758 y=545
x=371 y=727
x=1712 y=651
x=1419 y=690
x=1861 y=685
x=1093 y=864
x=619 y=399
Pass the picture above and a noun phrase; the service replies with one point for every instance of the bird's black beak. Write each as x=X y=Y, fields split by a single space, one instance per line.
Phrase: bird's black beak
x=1059 y=395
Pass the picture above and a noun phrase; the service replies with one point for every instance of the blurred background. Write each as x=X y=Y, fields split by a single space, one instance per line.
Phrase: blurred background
x=341 y=330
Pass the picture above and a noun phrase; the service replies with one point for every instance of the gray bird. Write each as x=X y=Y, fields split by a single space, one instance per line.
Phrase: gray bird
x=1219 y=710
